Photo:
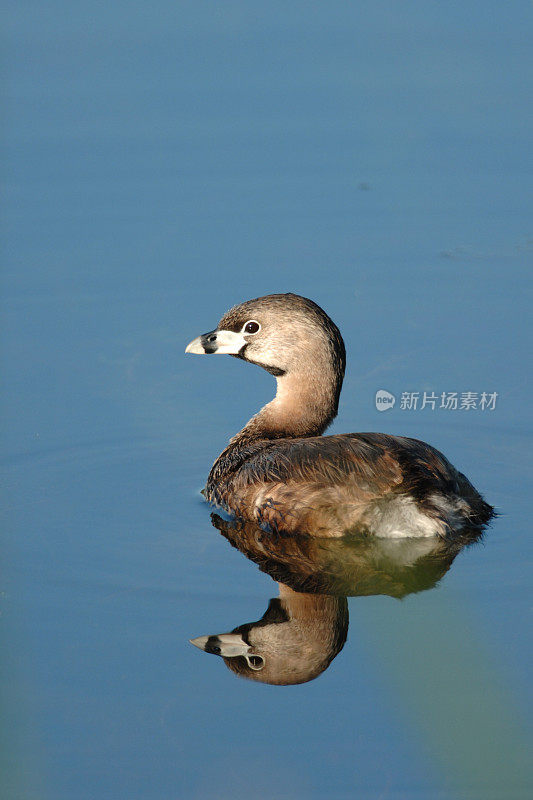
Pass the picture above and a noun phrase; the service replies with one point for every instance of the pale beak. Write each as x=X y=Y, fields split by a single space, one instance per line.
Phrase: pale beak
x=227 y=645
x=219 y=342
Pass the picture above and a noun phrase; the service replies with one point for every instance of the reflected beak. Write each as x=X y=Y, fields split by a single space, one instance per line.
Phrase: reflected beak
x=216 y=341
x=227 y=645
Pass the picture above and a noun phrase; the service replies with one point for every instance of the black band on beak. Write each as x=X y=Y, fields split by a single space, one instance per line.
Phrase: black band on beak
x=209 y=342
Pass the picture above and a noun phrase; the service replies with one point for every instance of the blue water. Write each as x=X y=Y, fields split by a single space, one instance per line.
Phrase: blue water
x=162 y=162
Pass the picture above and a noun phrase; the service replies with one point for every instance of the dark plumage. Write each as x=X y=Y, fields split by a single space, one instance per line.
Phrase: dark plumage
x=281 y=473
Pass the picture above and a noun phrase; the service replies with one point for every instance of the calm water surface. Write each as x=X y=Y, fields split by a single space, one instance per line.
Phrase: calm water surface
x=161 y=163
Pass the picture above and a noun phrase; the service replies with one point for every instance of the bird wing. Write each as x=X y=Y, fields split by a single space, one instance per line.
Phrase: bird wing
x=324 y=461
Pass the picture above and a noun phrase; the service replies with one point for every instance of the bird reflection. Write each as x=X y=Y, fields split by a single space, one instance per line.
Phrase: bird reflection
x=304 y=628
x=294 y=641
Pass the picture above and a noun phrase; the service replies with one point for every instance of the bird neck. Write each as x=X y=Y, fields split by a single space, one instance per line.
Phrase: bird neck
x=304 y=406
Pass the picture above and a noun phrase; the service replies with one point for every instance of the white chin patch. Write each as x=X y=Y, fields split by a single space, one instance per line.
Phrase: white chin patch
x=229 y=342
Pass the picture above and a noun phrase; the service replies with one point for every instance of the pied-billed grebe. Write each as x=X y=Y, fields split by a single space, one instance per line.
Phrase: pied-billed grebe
x=280 y=472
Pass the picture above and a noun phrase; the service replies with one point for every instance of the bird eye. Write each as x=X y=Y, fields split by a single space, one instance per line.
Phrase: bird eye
x=252 y=326
x=255 y=662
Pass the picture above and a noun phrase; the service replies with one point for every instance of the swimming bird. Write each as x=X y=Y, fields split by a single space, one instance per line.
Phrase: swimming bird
x=280 y=472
